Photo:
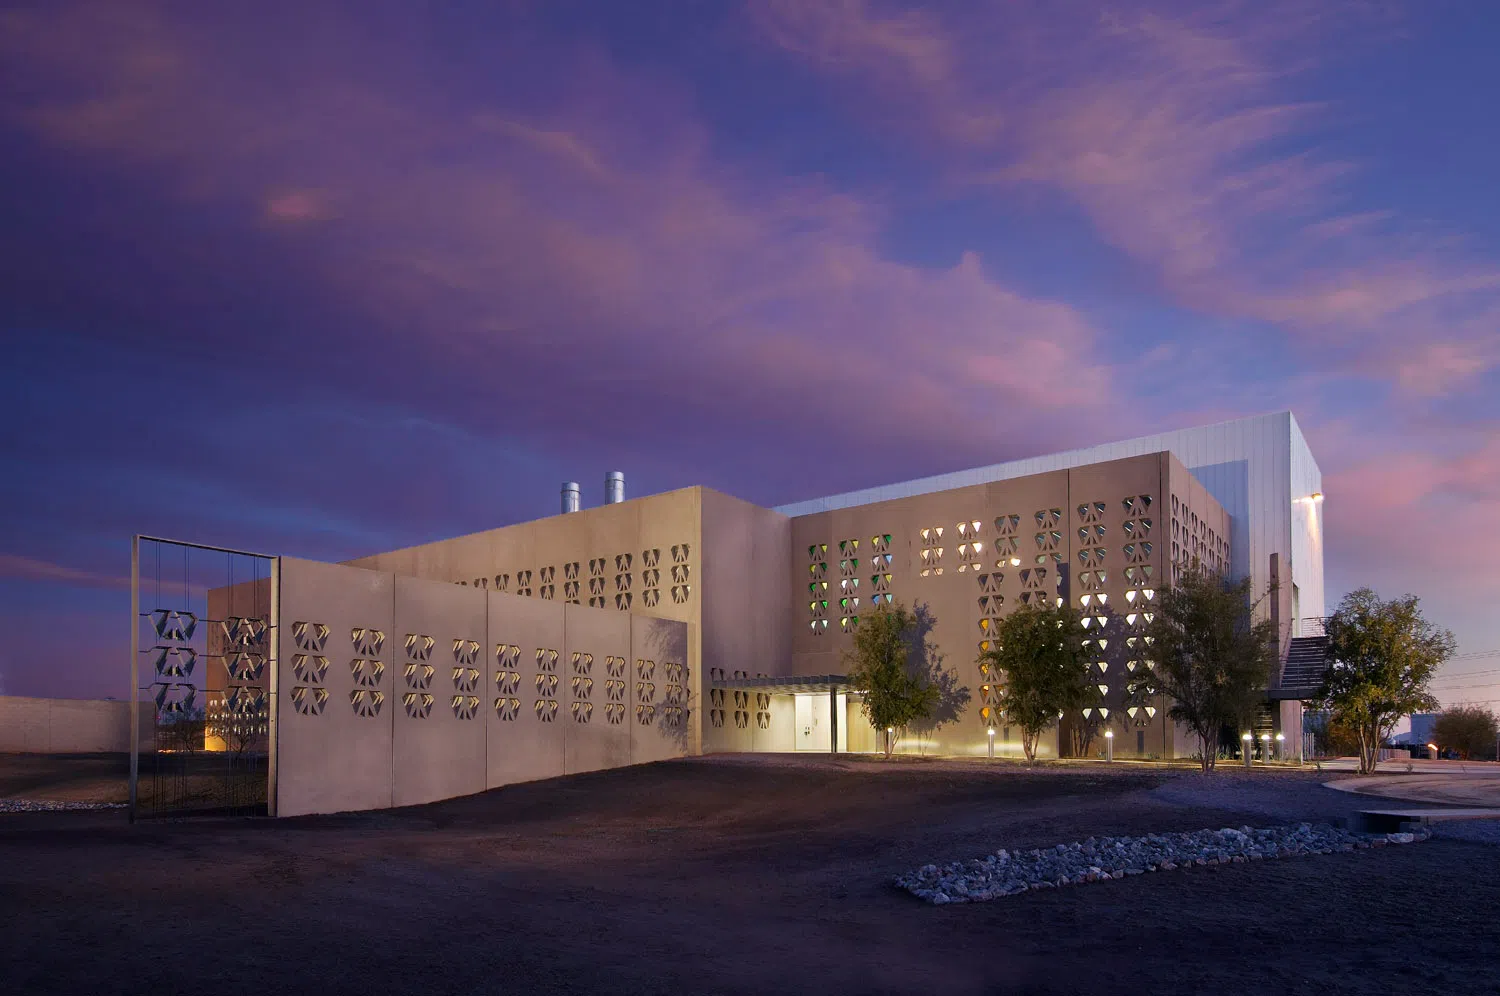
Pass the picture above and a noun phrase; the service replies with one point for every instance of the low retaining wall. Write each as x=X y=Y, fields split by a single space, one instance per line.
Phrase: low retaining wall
x=68 y=726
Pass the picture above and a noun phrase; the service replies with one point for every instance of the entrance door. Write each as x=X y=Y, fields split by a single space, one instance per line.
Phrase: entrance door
x=813 y=721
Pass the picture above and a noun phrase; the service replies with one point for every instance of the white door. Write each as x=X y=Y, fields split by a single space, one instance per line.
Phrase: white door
x=813 y=721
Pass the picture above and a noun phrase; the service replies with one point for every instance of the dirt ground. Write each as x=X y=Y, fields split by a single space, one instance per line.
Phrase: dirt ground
x=65 y=778
x=734 y=875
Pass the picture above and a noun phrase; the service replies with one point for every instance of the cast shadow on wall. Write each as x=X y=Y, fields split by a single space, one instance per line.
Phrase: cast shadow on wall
x=924 y=659
x=668 y=650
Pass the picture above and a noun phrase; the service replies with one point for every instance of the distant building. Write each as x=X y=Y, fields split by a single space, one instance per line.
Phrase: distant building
x=1421 y=729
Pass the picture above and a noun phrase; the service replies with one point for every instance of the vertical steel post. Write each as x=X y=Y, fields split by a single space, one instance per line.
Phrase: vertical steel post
x=833 y=719
x=273 y=664
x=135 y=657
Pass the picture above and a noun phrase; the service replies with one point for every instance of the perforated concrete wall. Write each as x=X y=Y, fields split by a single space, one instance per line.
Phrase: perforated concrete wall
x=398 y=691
x=1100 y=536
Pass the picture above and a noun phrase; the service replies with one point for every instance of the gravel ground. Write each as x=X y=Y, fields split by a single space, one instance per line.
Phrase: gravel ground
x=52 y=806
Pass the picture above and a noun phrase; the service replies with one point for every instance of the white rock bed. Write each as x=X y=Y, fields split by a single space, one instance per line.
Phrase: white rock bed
x=1009 y=873
x=46 y=806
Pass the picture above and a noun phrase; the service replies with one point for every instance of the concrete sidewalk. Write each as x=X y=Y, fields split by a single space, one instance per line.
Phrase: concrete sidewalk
x=1470 y=789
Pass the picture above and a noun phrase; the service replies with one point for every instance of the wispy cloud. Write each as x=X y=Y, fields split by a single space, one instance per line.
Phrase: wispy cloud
x=595 y=223
x=1182 y=133
x=22 y=568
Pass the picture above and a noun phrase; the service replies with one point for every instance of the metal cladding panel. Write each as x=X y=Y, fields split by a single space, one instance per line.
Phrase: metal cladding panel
x=1307 y=527
x=334 y=735
x=440 y=689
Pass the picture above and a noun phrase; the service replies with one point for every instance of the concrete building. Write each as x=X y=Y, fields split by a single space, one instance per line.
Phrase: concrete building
x=772 y=597
x=1420 y=734
x=711 y=624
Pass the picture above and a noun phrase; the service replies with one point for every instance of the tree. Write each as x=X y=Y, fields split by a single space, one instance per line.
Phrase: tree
x=1037 y=653
x=1381 y=657
x=892 y=662
x=1330 y=737
x=1469 y=729
x=180 y=731
x=1207 y=654
x=1089 y=717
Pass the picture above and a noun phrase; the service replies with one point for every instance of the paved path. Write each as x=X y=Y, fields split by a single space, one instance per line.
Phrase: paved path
x=1418 y=766
x=1469 y=789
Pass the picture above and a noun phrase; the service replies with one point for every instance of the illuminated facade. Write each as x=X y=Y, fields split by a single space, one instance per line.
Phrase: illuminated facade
x=771 y=597
x=692 y=621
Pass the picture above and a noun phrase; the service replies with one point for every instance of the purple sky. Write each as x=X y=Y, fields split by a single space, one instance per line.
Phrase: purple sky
x=326 y=279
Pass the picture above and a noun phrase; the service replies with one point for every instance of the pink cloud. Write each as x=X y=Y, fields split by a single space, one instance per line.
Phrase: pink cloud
x=295 y=206
x=1403 y=511
x=1433 y=368
x=594 y=220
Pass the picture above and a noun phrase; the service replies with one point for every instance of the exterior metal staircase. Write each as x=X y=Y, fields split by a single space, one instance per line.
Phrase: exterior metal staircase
x=1302 y=671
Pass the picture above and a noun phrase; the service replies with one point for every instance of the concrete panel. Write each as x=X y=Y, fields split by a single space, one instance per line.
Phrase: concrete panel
x=992 y=554
x=336 y=691
x=782 y=735
x=69 y=726
x=658 y=652
x=596 y=680
x=26 y=725
x=525 y=724
x=1120 y=509
x=640 y=556
x=859 y=736
x=82 y=726
x=441 y=691
x=746 y=563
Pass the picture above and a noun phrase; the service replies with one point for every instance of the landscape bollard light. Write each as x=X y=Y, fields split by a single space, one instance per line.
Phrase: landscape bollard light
x=1265 y=748
x=1247 y=745
x=992 y=743
x=890 y=739
x=1109 y=745
x=1281 y=746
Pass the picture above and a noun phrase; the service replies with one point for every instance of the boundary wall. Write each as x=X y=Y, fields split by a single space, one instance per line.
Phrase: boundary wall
x=67 y=726
x=397 y=691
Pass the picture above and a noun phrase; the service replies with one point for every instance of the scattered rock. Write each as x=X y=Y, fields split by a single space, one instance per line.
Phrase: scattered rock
x=45 y=806
x=1009 y=873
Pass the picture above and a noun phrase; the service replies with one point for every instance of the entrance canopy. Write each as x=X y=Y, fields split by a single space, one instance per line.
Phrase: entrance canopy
x=789 y=683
